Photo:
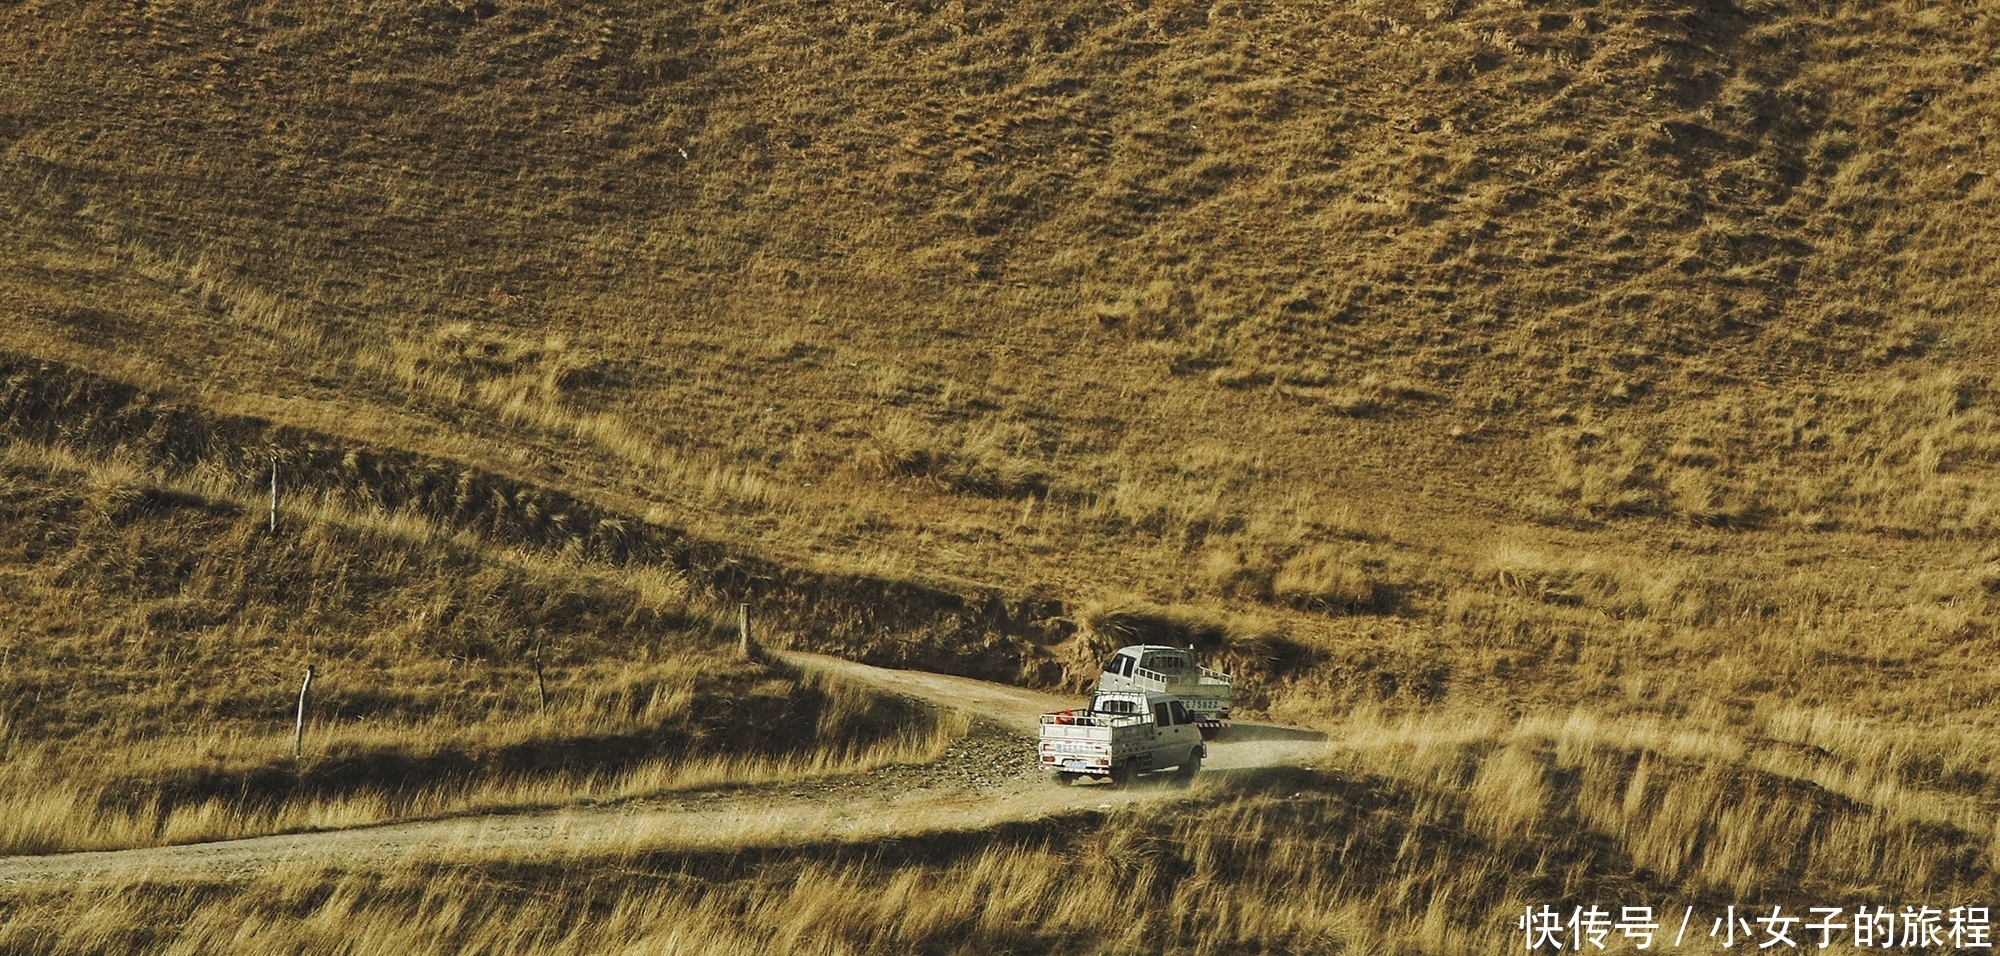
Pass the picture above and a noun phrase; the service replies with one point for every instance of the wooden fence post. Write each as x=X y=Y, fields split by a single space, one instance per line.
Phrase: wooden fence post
x=299 y=728
x=274 y=492
x=541 y=689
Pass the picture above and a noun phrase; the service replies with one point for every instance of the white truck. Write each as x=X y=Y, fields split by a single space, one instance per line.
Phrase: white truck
x=1120 y=735
x=1172 y=670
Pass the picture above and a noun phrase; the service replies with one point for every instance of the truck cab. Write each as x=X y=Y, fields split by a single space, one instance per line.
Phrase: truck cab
x=1120 y=735
x=1172 y=670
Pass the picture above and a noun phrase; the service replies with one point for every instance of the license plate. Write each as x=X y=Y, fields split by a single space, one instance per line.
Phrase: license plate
x=1076 y=765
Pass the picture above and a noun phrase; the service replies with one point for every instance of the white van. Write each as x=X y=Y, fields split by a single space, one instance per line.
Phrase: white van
x=1120 y=735
x=1172 y=670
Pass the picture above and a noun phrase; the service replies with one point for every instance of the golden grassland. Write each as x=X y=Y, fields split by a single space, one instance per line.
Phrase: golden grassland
x=1003 y=262
x=454 y=677
x=1474 y=821
x=1584 y=410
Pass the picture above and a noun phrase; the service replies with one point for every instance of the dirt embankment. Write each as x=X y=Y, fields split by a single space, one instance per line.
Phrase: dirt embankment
x=900 y=623
x=1032 y=640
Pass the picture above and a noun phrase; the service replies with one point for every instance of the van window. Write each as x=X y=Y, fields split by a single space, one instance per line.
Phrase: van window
x=1181 y=715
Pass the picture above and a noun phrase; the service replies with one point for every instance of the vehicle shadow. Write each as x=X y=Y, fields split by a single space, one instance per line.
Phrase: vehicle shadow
x=1280 y=779
x=1267 y=732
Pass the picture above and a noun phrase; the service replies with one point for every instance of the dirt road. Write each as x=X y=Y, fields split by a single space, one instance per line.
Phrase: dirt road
x=988 y=778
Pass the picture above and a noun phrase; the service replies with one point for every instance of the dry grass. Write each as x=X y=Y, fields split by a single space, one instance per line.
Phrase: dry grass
x=1701 y=808
x=1650 y=242
x=1432 y=839
x=455 y=676
x=1444 y=362
x=372 y=772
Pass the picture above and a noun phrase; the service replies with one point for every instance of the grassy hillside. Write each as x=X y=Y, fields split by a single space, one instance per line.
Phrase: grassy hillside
x=1456 y=361
x=1068 y=302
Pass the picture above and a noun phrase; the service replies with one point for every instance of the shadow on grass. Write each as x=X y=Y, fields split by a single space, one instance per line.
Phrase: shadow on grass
x=1245 y=733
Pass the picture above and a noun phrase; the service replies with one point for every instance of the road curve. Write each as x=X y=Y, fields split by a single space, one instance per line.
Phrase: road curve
x=851 y=807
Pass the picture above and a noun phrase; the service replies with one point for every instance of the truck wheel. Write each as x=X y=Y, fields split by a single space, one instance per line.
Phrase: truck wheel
x=1189 y=767
x=1121 y=774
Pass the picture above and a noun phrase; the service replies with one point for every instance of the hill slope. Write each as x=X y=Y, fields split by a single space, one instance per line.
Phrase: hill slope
x=1484 y=359
x=1147 y=300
